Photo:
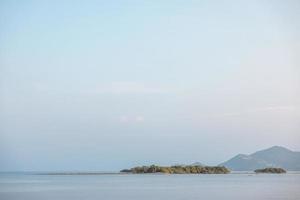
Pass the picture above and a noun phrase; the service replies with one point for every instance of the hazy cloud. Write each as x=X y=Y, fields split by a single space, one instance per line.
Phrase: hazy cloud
x=128 y=87
x=131 y=119
x=287 y=108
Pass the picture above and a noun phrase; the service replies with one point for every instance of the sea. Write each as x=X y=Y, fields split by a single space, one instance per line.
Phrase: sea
x=114 y=186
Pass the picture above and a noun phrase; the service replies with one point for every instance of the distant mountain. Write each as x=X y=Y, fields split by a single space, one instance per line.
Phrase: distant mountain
x=275 y=156
x=197 y=164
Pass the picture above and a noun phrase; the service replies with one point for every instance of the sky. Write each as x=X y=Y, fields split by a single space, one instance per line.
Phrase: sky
x=107 y=85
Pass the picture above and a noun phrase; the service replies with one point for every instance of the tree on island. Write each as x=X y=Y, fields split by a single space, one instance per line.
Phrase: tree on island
x=270 y=170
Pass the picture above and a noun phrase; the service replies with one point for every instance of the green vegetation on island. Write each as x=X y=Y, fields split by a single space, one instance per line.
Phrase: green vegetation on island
x=270 y=170
x=178 y=169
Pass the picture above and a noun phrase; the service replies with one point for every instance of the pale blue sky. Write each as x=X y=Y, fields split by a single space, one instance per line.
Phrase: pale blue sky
x=105 y=85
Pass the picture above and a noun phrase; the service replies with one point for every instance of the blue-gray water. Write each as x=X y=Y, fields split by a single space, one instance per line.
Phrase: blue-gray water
x=146 y=187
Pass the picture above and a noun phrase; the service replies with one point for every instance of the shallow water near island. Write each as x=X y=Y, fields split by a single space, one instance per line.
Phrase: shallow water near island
x=150 y=186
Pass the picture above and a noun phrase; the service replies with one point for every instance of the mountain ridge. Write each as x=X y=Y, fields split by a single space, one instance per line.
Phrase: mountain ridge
x=275 y=156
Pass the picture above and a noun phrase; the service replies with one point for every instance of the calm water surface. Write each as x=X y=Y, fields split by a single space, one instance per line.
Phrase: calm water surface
x=146 y=187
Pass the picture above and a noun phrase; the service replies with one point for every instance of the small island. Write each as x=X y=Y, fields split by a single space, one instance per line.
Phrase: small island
x=270 y=170
x=178 y=169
